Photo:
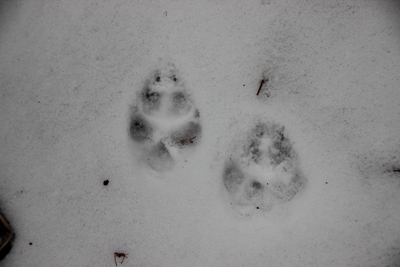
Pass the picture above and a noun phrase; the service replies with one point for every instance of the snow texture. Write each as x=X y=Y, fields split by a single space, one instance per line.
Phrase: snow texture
x=263 y=171
x=164 y=118
x=159 y=98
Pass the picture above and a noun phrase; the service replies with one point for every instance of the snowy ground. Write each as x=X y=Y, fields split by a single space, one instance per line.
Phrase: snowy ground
x=315 y=151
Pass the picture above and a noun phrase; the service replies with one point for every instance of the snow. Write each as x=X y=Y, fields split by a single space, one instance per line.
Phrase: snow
x=72 y=77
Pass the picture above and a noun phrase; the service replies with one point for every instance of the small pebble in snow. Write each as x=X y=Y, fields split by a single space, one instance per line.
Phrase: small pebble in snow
x=30 y=244
x=106 y=182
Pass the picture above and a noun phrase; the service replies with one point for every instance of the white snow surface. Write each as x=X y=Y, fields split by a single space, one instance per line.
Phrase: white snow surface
x=71 y=72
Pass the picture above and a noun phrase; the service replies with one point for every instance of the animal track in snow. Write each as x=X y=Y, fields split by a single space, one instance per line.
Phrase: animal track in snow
x=164 y=120
x=263 y=171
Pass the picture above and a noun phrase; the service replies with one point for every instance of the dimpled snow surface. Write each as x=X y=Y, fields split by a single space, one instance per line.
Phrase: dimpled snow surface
x=200 y=133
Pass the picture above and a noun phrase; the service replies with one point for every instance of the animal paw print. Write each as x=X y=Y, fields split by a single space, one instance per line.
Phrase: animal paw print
x=263 y=171
x=164 y=120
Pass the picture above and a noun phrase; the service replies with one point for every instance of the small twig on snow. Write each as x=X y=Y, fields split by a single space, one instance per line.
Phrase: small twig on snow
x=261 y=85
x=259 y=89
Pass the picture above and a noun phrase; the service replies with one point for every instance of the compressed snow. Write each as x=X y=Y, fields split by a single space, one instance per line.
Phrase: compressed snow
x=164 y=119
x=88 y=93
